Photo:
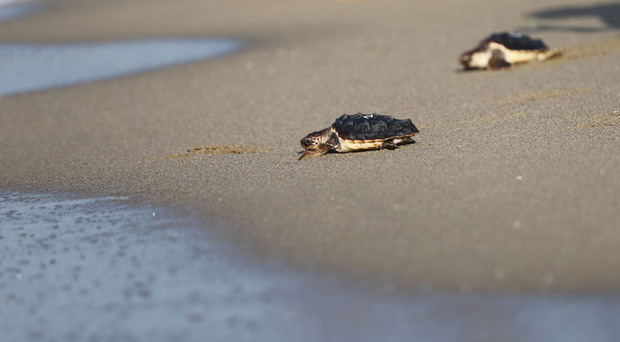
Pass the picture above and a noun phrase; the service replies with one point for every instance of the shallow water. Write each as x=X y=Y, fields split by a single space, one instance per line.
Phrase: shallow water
x=101 y=269
x=12 y=9
x=30 y=67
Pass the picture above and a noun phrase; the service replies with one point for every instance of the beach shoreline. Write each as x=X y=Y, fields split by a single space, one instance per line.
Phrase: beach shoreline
x=153 y=273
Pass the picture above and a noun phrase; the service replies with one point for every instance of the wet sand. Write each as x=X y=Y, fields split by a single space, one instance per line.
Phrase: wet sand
x=511 y=186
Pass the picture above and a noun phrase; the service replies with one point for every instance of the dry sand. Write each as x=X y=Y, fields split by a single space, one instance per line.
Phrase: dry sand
x=513 y=183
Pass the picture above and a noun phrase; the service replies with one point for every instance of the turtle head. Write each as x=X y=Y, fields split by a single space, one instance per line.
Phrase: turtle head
x=477 y=58
x=316 y=143
x=312 y=140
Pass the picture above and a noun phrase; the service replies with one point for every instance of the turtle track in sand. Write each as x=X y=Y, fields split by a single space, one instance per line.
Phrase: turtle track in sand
x=213 y=149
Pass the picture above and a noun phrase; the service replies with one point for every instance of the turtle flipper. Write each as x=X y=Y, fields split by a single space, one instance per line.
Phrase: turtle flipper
x=389 y=144
x=549 y=54
x=498 y=61
x=319 y=151
x=405 y=140
x=393 y=144
x=333 y=141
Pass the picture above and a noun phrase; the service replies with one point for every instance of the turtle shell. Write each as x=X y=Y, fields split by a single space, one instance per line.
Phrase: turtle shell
x=515 y=41
x=372 y=126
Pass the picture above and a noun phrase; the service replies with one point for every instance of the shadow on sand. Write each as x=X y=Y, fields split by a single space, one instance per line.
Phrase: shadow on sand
x=608 y=14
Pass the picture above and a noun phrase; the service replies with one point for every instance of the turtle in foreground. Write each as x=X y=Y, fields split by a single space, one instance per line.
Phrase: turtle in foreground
x=359 y=132
x=501 y=50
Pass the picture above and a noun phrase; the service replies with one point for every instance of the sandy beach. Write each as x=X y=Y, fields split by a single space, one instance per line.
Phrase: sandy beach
x=512 y=184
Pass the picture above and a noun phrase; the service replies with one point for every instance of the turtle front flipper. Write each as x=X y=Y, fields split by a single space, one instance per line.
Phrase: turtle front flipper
x=498 y=60
x=319 y=150
x=333 y=142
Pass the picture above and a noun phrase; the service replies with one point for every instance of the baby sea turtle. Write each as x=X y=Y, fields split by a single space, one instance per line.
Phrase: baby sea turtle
x=501 y=50
x=359 y=132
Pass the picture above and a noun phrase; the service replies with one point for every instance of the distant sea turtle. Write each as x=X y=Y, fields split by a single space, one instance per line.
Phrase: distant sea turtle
x=501 y=50
x=359 y=132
